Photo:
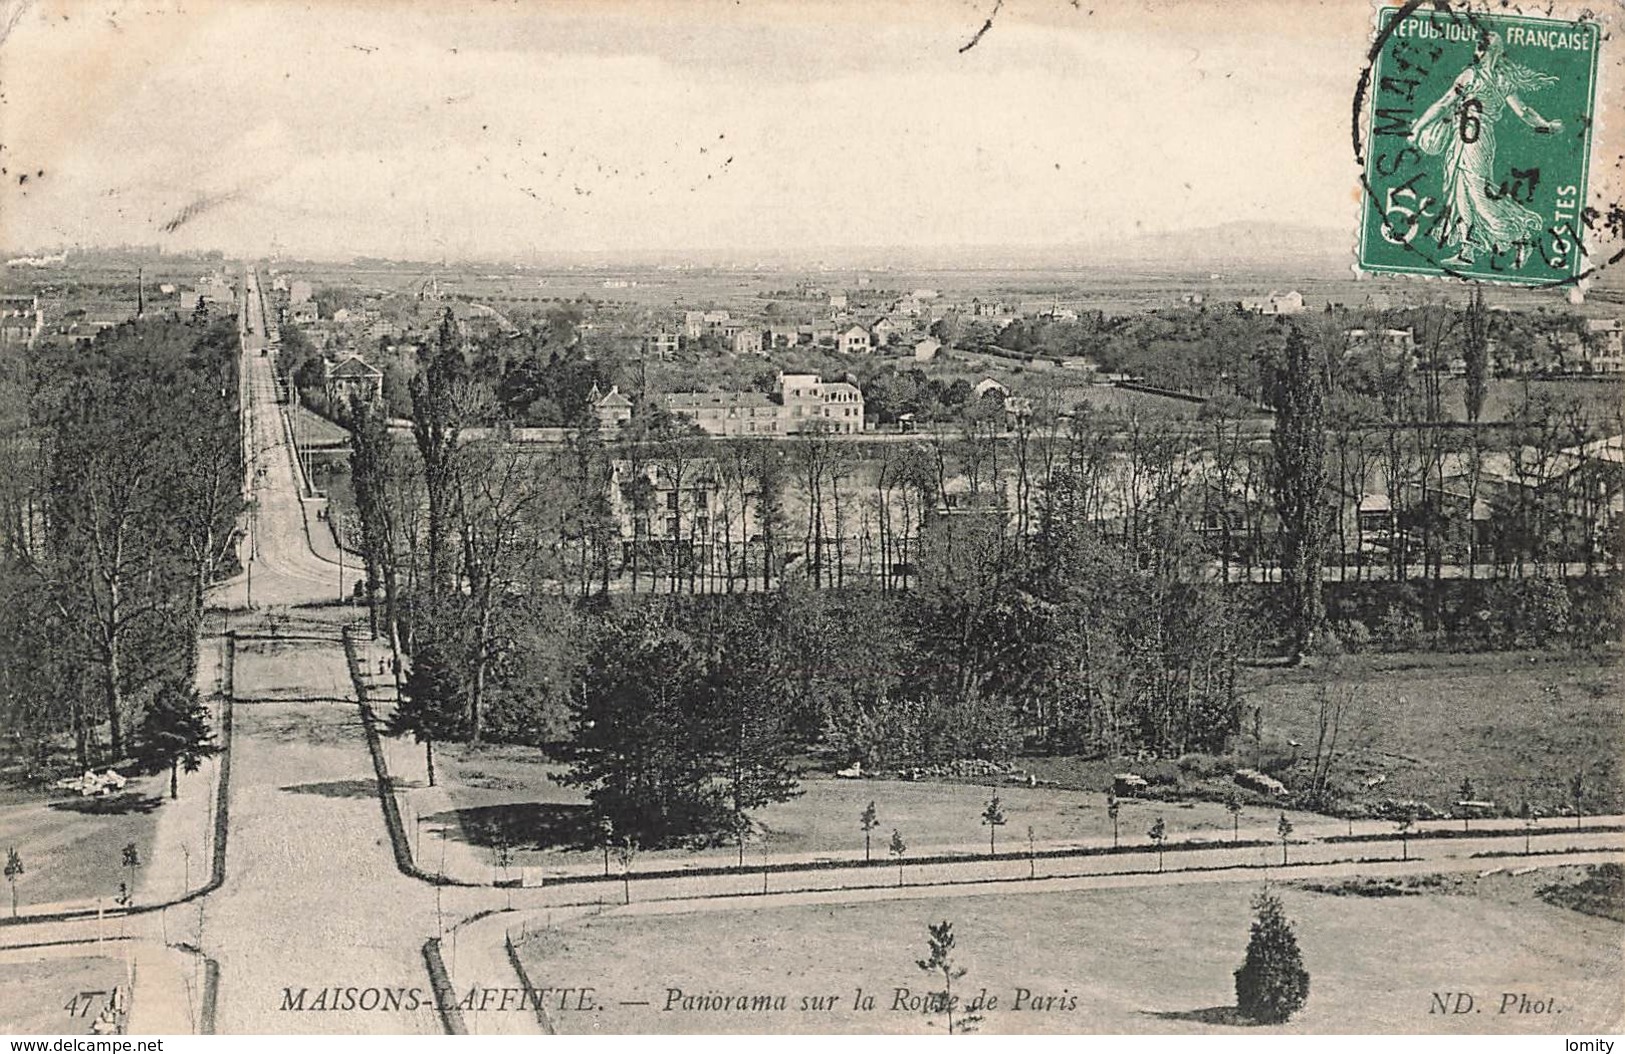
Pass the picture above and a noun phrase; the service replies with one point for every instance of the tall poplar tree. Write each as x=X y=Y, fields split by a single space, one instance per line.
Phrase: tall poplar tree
x=1475 y=353
x=1299 y=483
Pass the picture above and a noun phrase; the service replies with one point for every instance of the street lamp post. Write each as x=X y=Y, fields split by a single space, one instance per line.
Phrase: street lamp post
x=440 y=884
x=338 y=536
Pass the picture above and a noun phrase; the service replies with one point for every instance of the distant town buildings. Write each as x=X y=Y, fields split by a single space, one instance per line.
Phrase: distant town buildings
x=661 y=345
x=21 y=320
x=854 y=340
x=1391 y=345
x=1276 y=303
x=1605 y=345
x=612 y=409
x=351 y=377
x=803 y=403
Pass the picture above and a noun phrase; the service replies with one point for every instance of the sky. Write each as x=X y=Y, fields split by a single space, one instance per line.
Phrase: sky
x=499 y=129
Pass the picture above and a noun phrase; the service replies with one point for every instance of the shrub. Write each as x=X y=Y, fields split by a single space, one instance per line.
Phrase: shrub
x=1543 y=612
x=1401 y=628
x=1354 y=635
x=1205 y=766
x=1272 y=984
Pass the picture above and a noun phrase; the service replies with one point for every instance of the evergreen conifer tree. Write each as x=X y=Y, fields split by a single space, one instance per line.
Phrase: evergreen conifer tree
x=1272 y=984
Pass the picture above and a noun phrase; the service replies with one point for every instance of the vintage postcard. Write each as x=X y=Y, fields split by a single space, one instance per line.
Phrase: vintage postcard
x=900 y=518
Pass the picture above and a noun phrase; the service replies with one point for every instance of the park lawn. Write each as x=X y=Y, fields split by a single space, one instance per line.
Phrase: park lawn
x=1134 y=960
x=506 y=792
x=1517 y=724
x=72 y=847
x=38 y=994
x=316 y=430
x=1103 y=398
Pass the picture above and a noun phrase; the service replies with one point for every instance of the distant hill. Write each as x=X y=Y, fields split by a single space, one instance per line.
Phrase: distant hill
x=1261 y=246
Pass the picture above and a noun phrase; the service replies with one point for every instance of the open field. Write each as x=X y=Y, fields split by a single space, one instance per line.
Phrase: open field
x=1518 y=724
x=38 y=994
x=1116 y=287
x=1125 y=960
x=72 y=847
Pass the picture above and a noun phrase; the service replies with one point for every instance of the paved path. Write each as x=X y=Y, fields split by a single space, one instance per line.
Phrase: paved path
x=312 y=897
x=1247 y=863
x=282 y=569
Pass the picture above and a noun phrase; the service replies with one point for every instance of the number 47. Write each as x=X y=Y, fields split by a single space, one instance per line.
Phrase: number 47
x=80 y=1005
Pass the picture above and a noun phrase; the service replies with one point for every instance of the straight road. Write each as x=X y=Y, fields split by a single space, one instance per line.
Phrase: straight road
x=1140 y=867
x=312 y=897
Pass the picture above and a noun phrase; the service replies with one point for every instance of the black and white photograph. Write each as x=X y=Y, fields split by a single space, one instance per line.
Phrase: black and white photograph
x=812 y=517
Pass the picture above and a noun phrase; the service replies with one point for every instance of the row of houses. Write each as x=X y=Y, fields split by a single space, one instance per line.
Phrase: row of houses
x=683 y=513
x=23 y=319
x=851 y=338
x=801 y=403
x=1598 y=350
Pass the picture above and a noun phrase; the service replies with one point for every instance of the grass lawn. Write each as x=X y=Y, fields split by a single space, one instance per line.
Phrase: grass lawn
x=72 y=847
x=504 y=792
x=1518 y=724
x=38 y=994
x=316 y=430
x=1116 y=961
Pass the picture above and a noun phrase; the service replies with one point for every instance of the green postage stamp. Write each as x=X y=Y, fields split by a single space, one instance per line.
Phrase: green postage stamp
x=1477 y=144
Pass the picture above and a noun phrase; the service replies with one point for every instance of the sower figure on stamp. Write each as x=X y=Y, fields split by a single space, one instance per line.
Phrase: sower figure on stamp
x=1480 y=214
